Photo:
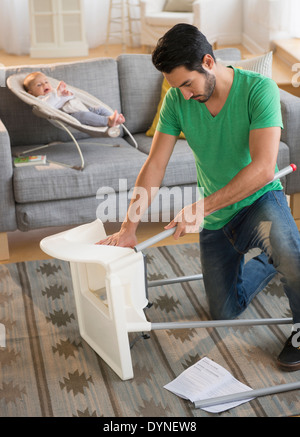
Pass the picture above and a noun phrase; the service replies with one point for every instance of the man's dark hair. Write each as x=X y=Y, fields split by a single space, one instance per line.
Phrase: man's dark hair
x=183 y=45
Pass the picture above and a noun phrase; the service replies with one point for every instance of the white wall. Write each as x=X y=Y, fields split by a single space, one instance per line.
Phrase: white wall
x=228 y=16
x=255 y=30
x=95 y=13
x=261 y=21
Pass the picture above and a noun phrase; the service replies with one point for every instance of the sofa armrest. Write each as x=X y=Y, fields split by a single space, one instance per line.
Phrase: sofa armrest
x=7 y=210
x=290 y=108
x=151 y=6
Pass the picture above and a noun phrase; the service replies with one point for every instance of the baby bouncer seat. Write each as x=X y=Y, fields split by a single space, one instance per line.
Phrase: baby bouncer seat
x=61 y=119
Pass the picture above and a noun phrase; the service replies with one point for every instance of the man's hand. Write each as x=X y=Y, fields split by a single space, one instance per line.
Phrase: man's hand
x=122 y=238
x=189 y=220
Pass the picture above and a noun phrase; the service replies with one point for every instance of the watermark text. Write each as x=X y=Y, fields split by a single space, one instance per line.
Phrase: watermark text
x=156 y=205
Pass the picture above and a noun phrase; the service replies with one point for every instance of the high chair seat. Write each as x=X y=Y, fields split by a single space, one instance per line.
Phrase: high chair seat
x=109 y=288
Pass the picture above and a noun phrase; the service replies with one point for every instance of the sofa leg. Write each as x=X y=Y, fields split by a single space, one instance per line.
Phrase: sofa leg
x=295 y=208
x=4 y=250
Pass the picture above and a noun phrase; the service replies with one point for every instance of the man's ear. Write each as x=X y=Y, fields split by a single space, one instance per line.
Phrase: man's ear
x=208 y=62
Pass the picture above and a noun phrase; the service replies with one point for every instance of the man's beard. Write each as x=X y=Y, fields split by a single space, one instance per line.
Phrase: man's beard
x=210 y=84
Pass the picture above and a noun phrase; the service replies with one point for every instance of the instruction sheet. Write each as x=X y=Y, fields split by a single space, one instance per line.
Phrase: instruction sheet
x=207 y=379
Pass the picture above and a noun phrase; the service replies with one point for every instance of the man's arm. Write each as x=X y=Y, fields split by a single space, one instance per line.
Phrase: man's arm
x=150 y=177
x=264 y=145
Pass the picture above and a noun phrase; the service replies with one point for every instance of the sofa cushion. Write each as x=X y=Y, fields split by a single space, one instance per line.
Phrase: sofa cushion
x=56 y=213
x=181 y=168
x=111 y=208
x=232 y=53
x=260 y=64
x=98 y=77
x=140 y=88
x=179 y=5
x=104 y=167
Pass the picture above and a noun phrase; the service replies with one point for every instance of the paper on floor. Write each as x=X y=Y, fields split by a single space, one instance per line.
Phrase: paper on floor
x=207 y=379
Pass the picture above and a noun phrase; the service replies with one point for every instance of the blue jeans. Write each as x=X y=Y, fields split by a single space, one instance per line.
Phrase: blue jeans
x=230 y=283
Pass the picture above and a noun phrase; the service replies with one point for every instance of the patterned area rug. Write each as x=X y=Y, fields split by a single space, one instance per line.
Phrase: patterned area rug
x=47 y=369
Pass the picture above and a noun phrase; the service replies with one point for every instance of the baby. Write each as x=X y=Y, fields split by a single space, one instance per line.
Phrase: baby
x=39 y=86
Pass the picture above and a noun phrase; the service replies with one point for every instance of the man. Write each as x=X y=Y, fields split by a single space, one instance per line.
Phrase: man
x=232 y=121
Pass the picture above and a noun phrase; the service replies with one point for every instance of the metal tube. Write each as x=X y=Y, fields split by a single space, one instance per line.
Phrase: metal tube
x=219 y=323
x=284 y=172
x=247 y=395
x=174 y=280
x=155 y=239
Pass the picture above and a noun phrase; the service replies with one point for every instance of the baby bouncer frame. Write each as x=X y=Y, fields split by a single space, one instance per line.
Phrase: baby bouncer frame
x=63 y=120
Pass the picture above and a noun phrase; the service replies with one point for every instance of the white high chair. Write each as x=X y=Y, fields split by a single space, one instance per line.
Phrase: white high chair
x=110 y=288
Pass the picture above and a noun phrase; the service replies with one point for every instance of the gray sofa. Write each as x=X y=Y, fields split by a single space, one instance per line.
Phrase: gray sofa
x=54 y=195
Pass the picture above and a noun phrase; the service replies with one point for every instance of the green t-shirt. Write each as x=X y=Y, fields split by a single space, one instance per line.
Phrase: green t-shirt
x=221 y=144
